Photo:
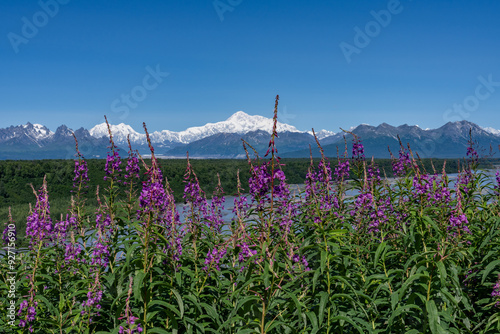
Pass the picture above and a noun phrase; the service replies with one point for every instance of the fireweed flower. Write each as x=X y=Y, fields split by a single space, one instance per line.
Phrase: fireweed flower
x=496 y=292
x=81 y=177
x=458 y=223
x=259 y=184
x=341 y=170
x=157 y=206
x=132 y=167
x=373 y=174
x=30 y=313
x=195 y=197
x=358 y=151
x=94 y=296
x=214 y=257
x=112 y=166
x=81 y=174
x=72 y=251
x=39 y=225
x=128 y=315
x=62 y=227
x=214 y=217
x=245 y=252
x=113 y=160
x=400 y=166
x=371 y=213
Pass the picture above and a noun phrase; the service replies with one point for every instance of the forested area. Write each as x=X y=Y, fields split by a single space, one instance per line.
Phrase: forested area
x=16 y=178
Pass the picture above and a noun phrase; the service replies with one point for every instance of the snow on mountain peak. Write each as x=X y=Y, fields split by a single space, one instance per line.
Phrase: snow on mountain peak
x=491 y=130
x=240 y=122
x=37 y=131
x=322 y=134
x=120 y=132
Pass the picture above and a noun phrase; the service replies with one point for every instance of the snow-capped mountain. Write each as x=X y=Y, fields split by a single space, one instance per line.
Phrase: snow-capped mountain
x=322 y=134
x=120 y=133
x=239 y=123
x=223 y=139
x=491 y=130
x=28 y=134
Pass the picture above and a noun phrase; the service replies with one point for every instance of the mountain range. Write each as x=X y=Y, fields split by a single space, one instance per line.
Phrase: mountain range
x=223 y=140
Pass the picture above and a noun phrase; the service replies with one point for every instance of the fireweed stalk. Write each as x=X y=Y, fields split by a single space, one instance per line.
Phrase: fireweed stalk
x=112 y=170
x=40 y=230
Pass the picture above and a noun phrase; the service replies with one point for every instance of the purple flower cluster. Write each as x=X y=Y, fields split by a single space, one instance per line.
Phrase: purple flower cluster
x=100 y=254
x=61 y=228
x=341 y=170
x=371 y=213
x=130 y=322
x=81 y=177
x=72 y=252
x=94 y=297
x=214 y=217
x=30 y=314
x=260 y=182
x=358 y=151
x=401 y=165
x=245 y=252
x=430 y=190
x=296 y=259
x=496 y=292
x=39 y=226
x=318 y=181
x=213 y=258
x=132 y=167
x=472 y=155
x=458 y=223
x=112 y=166
x=128 y=315
x=373 y=174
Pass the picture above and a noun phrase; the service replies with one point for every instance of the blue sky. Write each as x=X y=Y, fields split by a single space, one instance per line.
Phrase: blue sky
x=334 y=63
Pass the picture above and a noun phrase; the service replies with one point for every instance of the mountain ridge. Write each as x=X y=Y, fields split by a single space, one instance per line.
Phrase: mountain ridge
x=223 y=139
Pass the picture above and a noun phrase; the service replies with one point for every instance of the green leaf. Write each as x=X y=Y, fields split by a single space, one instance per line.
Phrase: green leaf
x=488 y=269
x=379 y=251
x=433 y=318
x=164 y=304
x=179 y=301
x=442 y=273
x=138 y=279
x=322 y=303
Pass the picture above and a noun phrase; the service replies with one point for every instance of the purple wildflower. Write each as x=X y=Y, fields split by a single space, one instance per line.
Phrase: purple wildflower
x=358 y=151
x=401 y=165
x=245 y=252
x=39 y=226
x=459 y=223
x=81 y=177
x=213 y=258
x=496 y=292
x=112 y=166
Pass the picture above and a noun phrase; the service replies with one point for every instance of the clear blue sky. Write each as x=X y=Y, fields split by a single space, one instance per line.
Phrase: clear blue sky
x=87 y=56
